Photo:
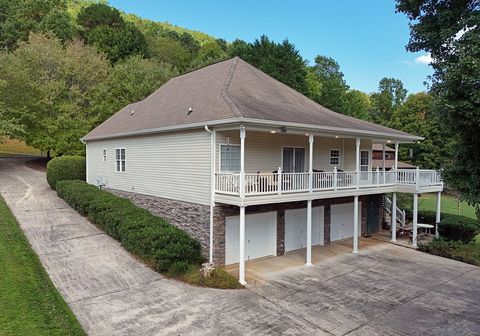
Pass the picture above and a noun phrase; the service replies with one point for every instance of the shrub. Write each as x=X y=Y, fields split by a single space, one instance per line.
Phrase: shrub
x=161 y=244
x=66 y=168
x=424 y=216
x=469 y=253
x=454 y=227
x=178 y=268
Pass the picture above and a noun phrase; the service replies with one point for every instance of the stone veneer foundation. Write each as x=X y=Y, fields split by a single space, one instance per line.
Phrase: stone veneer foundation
x=194 y=218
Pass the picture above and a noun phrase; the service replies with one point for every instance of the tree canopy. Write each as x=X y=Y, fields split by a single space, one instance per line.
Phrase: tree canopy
x=450 y=31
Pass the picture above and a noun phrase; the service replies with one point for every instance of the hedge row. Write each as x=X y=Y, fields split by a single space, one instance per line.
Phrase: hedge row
x=66 y=168
x=152 y=238
x=451 y=227
x=469 y=253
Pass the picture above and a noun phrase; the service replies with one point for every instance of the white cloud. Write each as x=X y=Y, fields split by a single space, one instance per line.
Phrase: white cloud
x=424 y=59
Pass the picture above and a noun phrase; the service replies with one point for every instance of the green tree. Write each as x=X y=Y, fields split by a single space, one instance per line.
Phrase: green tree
x=390 y=97
x=280 y=60
x=60 y=23
x=333 y=89
x=450 y=31
x=357 y=104
x=209 y=53
x=131 y=80
x=106 y=30
x=50 y=91
x=19 y=18
x=169 y=50
x=416 y=116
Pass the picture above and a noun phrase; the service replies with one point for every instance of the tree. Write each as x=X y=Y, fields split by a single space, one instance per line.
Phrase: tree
x=59 y=23
x=19 y=18
x=390 y=96
x=357 y=104
x=106 y=30
x=280 y=60
x=50 y=91
x=169 y=50
x=333 y=88
x=131 y=80
x=209 y=53
x=416 y=116
x=450 y=31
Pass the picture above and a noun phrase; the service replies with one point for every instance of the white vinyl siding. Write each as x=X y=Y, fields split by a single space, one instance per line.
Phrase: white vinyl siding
x=170 y=165
x=263 y=151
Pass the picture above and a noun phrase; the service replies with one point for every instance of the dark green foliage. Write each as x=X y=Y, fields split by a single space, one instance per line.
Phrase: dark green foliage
x=110 y=34
x=152 y=238
x=99 y=15
x=178 y=268
x=469 y=253
x=460 y=228
x=424 y=216
x=280 y=60
x=65 y=168
x=59 y=23
x=449 y=31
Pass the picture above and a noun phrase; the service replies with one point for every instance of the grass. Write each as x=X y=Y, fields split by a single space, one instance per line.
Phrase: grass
x=29 y=302
x=449 y=205
x=218 y=279
x=13 y=146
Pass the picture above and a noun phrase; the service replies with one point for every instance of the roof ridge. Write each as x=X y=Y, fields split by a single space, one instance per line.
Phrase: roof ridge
x=236 y=112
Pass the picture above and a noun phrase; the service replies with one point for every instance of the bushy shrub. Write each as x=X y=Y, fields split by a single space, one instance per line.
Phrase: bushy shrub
x=152 y=238
x=469 y=253
x=424 y=216
x=454 y=227
x=66 y=168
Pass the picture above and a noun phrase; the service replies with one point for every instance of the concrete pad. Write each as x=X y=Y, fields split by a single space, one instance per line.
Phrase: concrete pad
x=385 y=290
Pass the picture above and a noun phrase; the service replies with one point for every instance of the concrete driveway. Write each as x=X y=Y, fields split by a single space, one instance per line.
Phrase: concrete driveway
x=387 y=290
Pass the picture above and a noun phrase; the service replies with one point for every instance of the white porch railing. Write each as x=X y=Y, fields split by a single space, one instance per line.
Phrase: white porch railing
x=400 y=214
x=278 y=183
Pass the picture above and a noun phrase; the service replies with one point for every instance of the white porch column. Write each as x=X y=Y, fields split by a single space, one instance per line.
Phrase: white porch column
x=383 y=162
x=242 y=162
x=415 y=219
x=357 y=161
x=355 y=225
x=241 y=255
x=396 y=156
x=310 y=163
x=309 y=234
x=439 y=209
x=394 y=217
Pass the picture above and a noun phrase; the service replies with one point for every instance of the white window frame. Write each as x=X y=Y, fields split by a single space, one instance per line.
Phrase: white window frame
x=104 y=155
x=220 y=157
x=124 y=160
x=339 y=157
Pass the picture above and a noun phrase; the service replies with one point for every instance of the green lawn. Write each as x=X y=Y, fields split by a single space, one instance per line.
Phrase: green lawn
x=449 y=205
x=13 y=146
x=29 y=302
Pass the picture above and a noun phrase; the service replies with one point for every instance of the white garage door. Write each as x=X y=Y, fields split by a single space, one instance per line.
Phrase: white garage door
x=296 y=228
x=260 y=236
x=341 y=223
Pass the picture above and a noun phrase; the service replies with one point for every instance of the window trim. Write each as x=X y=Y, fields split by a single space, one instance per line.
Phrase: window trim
x=369 y=156
x=125 y=160
x=104 y=155
x=220 y=157
x=330 y=157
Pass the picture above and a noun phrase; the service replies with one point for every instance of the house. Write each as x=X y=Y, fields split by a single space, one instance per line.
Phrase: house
x=249 y=166
x=389 y=162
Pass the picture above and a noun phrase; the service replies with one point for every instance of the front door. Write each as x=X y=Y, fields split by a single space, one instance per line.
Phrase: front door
x=373 y=213
x=293 y=160
x=364 y=164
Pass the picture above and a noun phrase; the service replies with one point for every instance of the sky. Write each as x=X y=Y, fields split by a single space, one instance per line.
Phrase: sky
x=367 y=38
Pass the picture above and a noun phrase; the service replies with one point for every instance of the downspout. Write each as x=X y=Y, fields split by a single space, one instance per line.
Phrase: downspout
x=212 y=188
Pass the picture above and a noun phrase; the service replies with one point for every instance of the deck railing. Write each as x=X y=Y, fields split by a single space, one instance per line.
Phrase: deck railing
x=279 y=183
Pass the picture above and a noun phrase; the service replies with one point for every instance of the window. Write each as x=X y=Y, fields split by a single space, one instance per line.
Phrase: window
x=230 y=158
x=364 y=160
x=104 y=155
x=120 y=159
x=334 y=157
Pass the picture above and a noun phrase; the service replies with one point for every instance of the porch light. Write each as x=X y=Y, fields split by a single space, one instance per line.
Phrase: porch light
x=336 y=136
x=273 y=132
x=389 y=141
x=306 y=134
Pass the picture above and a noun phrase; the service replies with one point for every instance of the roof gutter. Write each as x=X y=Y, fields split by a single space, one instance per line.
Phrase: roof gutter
x=310 y=127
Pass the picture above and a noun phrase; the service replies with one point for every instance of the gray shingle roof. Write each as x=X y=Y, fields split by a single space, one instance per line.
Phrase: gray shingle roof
x=228 y=90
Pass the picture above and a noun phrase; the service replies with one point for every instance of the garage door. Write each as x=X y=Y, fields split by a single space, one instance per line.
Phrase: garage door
x=296 y=228
x=260 y=236
x=341 y=224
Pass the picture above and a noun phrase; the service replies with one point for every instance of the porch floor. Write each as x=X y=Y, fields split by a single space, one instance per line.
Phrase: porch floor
x=264 y=268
